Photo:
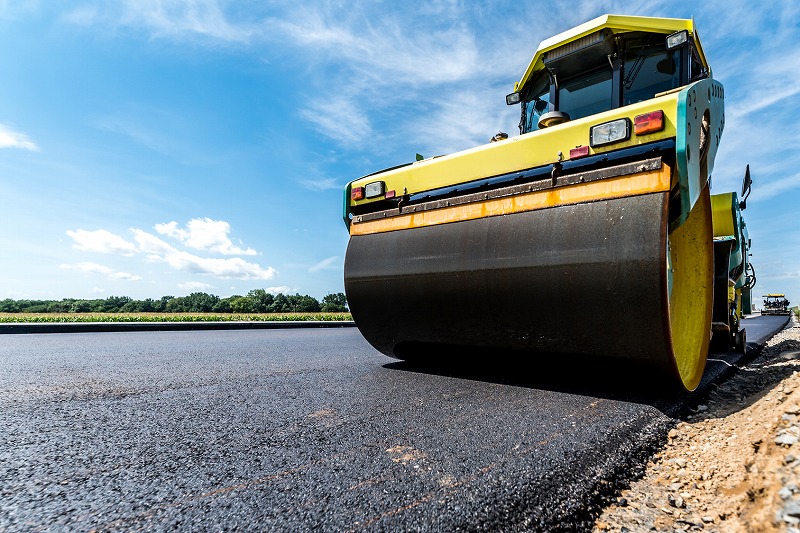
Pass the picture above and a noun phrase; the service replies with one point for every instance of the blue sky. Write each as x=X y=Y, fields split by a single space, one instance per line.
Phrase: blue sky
x=155 y=147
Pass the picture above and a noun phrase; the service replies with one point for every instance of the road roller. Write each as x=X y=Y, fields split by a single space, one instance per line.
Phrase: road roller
x=587 y=235
x=734 y=276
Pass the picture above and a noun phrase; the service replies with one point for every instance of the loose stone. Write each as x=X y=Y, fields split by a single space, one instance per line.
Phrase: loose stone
x=786 y=439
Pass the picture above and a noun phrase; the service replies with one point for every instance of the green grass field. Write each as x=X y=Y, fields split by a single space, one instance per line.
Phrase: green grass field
x=168 y=317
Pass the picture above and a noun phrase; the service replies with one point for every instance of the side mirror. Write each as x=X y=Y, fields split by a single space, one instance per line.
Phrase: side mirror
x=513 y=98
x=746 y=184
x=667 y=66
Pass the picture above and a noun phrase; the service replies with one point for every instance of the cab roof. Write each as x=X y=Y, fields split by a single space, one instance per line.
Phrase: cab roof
x=616 y=24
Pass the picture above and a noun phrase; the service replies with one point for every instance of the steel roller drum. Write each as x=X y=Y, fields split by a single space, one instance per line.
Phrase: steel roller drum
x=601 y=278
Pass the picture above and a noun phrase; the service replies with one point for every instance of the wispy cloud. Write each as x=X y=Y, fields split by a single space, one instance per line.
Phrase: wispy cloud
x=10 y=138
x=774 y=188
x=142 y=126
x=205 y=234
x=339 y=119
x=95 y=268
x=101 y=241
x=320 y=184
x=170 y=17
x=366 y=61
x=460 y=121
x=790 y=275
x=160 y=129
x=166 y=18
x=382 y=64
x=756 y=97
x=329 y=263
x=775 y=78
x=377 y=46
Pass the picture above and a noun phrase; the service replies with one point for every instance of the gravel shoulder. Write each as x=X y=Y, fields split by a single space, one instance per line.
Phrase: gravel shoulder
x=733 y=465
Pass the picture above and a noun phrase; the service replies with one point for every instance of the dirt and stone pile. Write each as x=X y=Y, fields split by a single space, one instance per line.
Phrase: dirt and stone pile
x=734 y=464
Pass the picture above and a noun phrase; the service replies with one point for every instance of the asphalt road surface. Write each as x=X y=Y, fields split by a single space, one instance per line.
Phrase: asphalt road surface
x=302 y=429
x=760 y=328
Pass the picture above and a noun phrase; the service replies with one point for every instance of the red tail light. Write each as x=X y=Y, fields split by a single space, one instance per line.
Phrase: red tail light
x=648 y=122
x=580 y=151
x=357 y=193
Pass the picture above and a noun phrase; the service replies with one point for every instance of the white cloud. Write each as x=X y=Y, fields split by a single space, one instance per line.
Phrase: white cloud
x=10 y=138
x=235 y=267
x=201 y=234
x=283 y=289
x=101 y=241
x=204 y=234
x=171 y=229
x=95 y=268
x=150 y=244
x=195 y=286
x=329 y=263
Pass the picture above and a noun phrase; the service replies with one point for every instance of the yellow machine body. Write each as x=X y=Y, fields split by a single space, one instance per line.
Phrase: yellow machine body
x=732 y=272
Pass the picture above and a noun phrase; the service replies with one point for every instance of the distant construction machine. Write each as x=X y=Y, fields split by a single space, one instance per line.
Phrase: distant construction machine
x=775 y=304
x=589 y=233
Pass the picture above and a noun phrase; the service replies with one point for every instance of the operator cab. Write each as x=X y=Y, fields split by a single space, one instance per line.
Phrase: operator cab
x=605 y=70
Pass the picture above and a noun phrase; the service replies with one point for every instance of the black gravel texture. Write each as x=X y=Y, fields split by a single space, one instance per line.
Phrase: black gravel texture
x=303 y=429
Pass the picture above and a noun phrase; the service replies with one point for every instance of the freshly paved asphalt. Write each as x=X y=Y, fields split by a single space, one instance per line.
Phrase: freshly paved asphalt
x=309 y=428
x=760 y=328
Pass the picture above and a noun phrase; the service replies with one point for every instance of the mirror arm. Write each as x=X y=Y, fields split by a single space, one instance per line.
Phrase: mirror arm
x=746 y=186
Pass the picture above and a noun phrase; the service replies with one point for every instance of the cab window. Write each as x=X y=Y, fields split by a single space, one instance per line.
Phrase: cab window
x=586 y=94
x=536 y=103
x=649 y=69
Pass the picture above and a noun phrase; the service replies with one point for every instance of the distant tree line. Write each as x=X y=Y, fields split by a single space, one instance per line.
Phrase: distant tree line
x=255 y=301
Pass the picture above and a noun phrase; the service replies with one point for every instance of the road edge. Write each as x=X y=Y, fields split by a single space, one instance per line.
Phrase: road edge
x=117 y=327
x=729 y=362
